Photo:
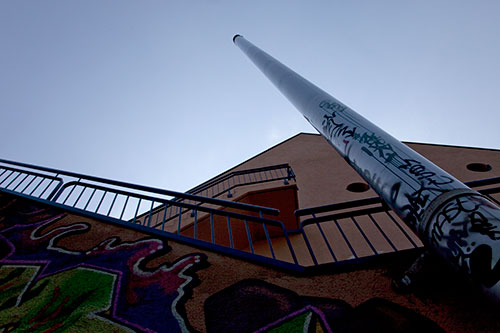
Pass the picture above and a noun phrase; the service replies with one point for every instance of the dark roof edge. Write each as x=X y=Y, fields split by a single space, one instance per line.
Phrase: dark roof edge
x=265 y=151
x=409 y=142
x=450 y=146
x=317 y=134
x=255 y=156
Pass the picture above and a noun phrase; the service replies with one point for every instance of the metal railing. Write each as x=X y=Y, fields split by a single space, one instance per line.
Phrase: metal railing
x=366 y=224
x=216 y=224
x=331 y=235
x=226 y=183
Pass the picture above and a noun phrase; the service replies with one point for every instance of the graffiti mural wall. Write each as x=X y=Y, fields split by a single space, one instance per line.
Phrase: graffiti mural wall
x=253 y=305
x=63 y=272
x=107 y=287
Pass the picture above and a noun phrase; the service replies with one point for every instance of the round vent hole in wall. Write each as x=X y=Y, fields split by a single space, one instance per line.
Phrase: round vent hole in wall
x=479 y=167
x=358 y=187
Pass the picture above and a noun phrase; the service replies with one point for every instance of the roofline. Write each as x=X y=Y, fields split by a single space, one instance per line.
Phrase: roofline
x=251 y=158
x=449 y=146
x=317 y=134
x=410 y=142
x=265 y=151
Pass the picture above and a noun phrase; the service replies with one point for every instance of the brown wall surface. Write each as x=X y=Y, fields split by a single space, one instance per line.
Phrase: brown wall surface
x=283 y=198
x=64 y=271
x=322 y=175
x=70 y=272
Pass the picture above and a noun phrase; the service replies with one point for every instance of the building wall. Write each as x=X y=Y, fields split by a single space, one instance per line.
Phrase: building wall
x=323 y=176
x=61 y=271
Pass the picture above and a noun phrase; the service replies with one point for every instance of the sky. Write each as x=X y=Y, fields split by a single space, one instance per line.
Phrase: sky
x=155 y=92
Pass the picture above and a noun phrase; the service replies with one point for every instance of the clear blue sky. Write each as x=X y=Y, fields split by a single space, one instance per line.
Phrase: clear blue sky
x=155 y=92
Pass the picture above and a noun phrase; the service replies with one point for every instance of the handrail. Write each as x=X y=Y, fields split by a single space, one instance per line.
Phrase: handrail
x=219 y=202
x=59 y=180
x=483 y=182
x=218 y=180
x=267 y=210
x=198 y=190
x=215 y=228
x=181 y=204
x=122 y=203
x=368 y=210
x=338 y=206
x=338 y=216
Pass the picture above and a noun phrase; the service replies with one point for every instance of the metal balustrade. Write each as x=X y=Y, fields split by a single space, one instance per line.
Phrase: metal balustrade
x=353 y=231
x=329 y=236
x=228 y=182
x=29 y=182
x=220 y=225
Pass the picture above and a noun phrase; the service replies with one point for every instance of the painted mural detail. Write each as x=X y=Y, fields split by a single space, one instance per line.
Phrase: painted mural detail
x=76 y=295
x=46 y=287
x=468 y=226
x=307 y=319
x=254 y=305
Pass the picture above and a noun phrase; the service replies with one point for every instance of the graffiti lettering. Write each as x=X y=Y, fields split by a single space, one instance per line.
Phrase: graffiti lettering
x=395 y=192
x=453 y=214
x=417 y=169
x=481 y=225
x=376 y=145
x=462 y=227
x=332 y=106
x=417 y=202
x=330 y=125
x=335 y=129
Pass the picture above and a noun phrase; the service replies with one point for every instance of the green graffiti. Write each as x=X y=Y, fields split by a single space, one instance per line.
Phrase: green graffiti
x=303 y=322
x=66 y=301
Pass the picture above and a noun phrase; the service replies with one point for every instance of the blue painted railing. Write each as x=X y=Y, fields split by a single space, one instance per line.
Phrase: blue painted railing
x=367 y=214
x=143 y=208
x=227 y=183
x=330 y=235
